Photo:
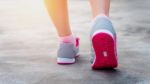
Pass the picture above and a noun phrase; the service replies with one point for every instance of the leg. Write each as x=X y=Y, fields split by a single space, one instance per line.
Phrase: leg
x=103 y=36
x=100 y=7
x=57 y=9
x=69 y=46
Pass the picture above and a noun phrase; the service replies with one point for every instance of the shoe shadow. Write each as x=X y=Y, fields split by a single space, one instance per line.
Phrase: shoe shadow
x=117 y=76
x=111 y=70
x=108 y=71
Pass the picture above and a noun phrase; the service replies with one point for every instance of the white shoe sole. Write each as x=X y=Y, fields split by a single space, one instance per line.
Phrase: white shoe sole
x=65 y=60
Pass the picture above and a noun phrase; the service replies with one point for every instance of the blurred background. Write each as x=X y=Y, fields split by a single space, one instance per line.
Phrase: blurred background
x=28 y=43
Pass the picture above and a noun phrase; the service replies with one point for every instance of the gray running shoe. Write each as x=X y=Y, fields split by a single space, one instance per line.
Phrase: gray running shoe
x=103 y=42
x=68 y=52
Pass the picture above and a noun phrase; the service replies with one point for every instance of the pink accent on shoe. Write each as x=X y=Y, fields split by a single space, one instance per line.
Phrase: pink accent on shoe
x=67 y=39
x=105 y=50
x=77 y=42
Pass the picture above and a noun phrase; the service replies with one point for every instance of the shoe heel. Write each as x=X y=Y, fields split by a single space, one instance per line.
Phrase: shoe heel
x=105 y=51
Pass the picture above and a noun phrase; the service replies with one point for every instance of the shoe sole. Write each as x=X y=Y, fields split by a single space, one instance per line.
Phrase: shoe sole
x=66 y=61
x=105 y=51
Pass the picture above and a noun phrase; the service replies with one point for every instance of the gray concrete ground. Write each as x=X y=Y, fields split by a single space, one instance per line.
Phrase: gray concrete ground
x=28 y=44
